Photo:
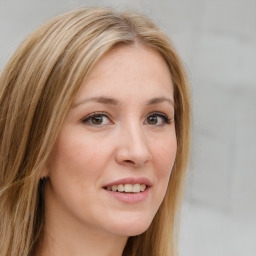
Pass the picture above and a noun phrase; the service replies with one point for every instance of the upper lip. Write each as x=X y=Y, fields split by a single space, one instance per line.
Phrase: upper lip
x=130 y=180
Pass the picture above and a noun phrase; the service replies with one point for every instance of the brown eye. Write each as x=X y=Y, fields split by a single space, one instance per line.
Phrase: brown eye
x=152 y=120
x=97 y=119
x=157 y=119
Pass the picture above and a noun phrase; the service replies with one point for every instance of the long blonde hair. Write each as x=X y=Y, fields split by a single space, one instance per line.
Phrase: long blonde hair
x=37 y=88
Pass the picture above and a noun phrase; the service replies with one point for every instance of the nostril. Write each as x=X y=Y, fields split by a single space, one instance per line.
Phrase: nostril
x=129 y=162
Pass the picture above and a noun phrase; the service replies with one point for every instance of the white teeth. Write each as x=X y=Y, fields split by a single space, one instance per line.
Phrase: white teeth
x=136 y=188
x=114 y=188
x=128 y=188
x=142 y=187
x=120 y=188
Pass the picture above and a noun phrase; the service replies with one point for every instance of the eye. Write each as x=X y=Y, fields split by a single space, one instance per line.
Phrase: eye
x=97 y=119
x=157 y=119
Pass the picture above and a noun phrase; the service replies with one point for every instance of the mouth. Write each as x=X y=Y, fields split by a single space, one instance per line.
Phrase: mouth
x=127 y=188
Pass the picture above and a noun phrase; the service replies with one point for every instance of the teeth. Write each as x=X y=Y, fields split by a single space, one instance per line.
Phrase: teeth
x=114 y=188
x=142 y=187
x=136 y=188
x=120 y=188
x=128 y=188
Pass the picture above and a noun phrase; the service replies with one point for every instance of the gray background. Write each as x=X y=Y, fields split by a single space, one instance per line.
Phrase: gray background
x=217 y=42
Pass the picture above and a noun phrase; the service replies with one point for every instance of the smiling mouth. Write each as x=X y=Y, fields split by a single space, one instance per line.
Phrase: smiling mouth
x=127 y=188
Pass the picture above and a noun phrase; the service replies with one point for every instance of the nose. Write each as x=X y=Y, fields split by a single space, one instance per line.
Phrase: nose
x=133 y=149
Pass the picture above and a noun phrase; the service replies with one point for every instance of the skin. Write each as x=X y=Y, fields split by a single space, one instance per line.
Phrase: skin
x=127 y=140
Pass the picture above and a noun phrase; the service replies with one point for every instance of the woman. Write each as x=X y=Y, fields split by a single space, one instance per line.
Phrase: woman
x=94 y=138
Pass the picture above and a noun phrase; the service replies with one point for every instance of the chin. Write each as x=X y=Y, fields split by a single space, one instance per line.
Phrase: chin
x=138 y=231
x=132 y=225
x=132 y=231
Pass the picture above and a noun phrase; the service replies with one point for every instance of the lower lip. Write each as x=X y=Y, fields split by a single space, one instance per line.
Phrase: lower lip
x=130 y=197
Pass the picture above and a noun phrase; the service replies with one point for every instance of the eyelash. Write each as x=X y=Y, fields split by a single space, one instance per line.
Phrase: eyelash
x=163 y=116
x=88 y=119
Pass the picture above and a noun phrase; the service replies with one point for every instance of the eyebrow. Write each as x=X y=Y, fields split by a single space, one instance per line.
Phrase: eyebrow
x=102 y=100
x=111 y=101
x=160 y=100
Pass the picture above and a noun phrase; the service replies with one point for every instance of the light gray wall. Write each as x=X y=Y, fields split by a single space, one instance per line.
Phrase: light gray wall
x=217 y=41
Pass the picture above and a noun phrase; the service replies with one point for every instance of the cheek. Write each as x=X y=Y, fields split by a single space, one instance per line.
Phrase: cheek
x=74 y=169
x=164 y=155
x=74 y=155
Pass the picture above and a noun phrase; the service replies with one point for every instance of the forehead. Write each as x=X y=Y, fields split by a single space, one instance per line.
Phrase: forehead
x=129 y=69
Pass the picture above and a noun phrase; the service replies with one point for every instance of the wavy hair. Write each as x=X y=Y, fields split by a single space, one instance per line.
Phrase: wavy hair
x=37 y=88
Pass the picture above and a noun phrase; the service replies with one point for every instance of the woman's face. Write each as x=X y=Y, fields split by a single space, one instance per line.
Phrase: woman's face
x=118 y=135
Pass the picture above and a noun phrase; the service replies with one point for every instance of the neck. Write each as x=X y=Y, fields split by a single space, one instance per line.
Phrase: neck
x=67 y=243
x=65 y=236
